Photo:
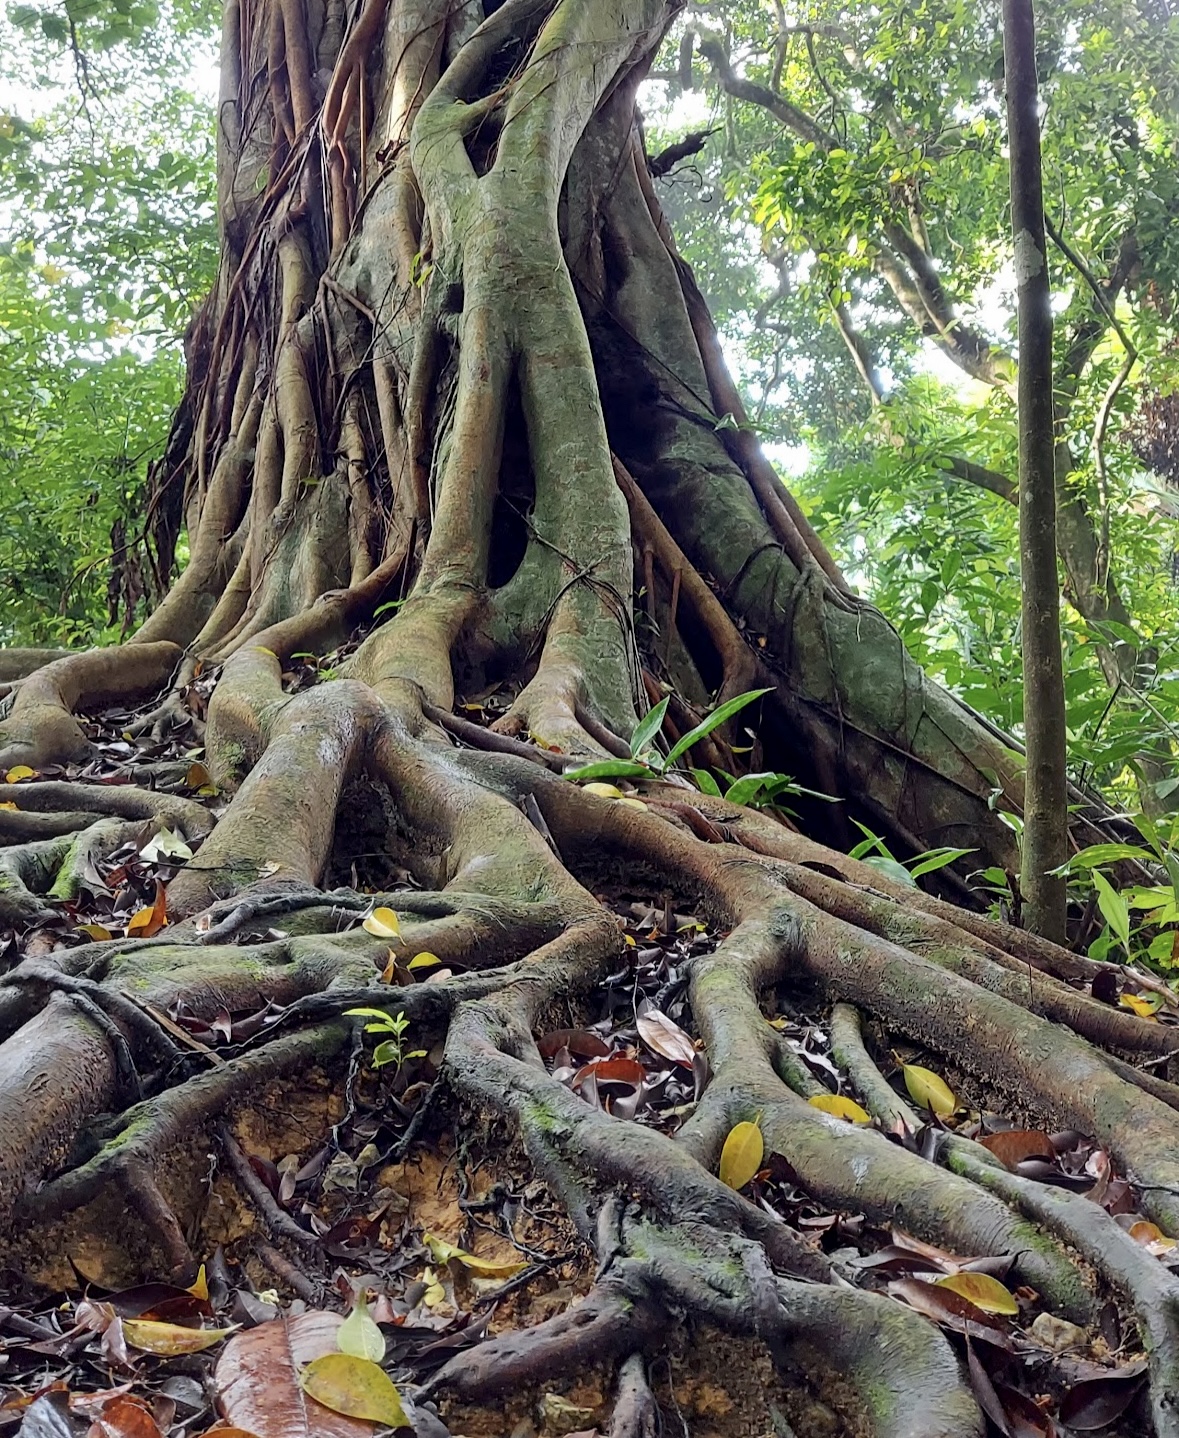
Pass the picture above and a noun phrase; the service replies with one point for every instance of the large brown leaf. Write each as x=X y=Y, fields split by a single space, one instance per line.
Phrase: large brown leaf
x=257 y=1380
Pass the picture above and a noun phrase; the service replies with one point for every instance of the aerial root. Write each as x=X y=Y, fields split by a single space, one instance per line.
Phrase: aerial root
x=491 y=1062
x=877 y=1095
x=281 y=823
x=41 y=978
x=619 y=1315
x=1074 y=1219
x=982 y=963
x=903 y=1369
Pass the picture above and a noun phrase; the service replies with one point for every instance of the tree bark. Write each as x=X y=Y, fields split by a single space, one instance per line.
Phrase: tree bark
x=1045 y=822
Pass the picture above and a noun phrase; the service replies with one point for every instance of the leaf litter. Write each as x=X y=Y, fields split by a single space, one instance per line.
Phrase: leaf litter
x=144 y=1361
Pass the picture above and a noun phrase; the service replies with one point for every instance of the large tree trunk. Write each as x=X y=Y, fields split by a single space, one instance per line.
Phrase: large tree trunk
x=454 y=360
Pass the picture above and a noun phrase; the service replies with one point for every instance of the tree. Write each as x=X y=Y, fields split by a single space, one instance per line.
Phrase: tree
x=453 y=387
x=1045 y=830
x=870 y=148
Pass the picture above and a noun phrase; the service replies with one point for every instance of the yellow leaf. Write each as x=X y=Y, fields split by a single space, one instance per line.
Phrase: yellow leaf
x=629 y=941
x=1152 y=1236
x=198 y=777
x=631 y=802
x=97 y=932
x=383 y=923
x=168 y=1339
x=841 y=1107
x=443 y=1252
x=928 y=1090
x=200 y=1287
x=742 y=1155
x=423 y=961
x=1144 y=1005
x=145 y=923
x=8 y=804
x=356 y=1387
x=982 y=1290
x=603 y=791
x=19 y=772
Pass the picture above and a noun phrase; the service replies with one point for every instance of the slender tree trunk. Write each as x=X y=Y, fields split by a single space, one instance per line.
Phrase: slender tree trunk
x=1045 y=823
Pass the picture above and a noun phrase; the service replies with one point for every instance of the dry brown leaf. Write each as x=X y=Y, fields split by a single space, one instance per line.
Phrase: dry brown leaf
x=257 y=1380
x=666 y=1038
x=1016 y=1145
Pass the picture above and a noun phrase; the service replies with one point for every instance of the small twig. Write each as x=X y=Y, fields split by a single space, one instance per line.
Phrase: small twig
x=287 y=1272
x=277 y=1220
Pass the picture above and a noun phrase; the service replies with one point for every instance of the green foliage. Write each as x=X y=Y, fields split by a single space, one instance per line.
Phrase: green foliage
x=391 y=1050
x=874 y=851
x=645 y=761
x=107 y=242
x=891 y=130
x=1143 y=919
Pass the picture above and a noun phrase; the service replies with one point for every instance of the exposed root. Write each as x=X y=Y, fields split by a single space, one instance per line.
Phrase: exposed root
x=41 y=728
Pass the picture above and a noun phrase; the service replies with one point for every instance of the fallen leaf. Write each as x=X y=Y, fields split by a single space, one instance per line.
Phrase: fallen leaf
x=168 y=1339
x=928 y=1090
x=165 y=845
x=611 y=1070
x=1024 y=1418
x=423 y=961
x=197 y=776
x=360 y=1336
x=1098 y=1402
x=383 y=923
x=356 y=1387
x=1144 y=1005
x=666 y=1038
x=443 y=1252
x=1151 y=1236
x=840 y=1107
x=123 y=1416
x=982 y=1290
x=603 y=791
x=8 y=804
x=742 y=1155
x=580 y=1042
x=984 y=1390
x=147 y=922
x=96 y=932
x=950 y=1309
x=257 y=1379
x=1018 y=1144
x=19 y=772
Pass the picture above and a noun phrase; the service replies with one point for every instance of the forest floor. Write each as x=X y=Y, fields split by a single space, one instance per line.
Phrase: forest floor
x=351 y=1185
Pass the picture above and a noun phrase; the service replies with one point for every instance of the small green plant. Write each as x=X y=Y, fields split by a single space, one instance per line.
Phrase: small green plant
x=872 y=850
x=390 y=1050
x=759 y=791
x=1155 y=939
x=645 y=761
